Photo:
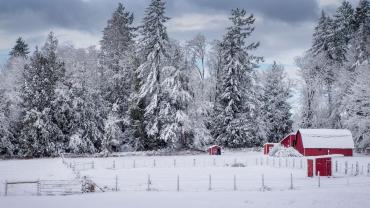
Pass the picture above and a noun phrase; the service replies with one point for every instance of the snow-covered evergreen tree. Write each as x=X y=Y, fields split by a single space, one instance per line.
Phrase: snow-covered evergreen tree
x=176 y=128
x=275 y=107
x=20 y=49
x=80 y=109
x=40 y=135
x=234 y=107
x=153 y=48
x=6 y=136
x=117 y=59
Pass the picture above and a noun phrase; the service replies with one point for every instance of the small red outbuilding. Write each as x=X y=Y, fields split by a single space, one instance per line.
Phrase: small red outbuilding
x=214 y=150
x=314 y=142
x=267 y=148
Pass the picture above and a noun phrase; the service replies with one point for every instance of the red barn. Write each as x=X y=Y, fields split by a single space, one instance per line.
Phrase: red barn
x=288 y=140
x=314 y=142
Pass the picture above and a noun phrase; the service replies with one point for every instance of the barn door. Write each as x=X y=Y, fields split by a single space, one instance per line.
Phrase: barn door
x=310 y=168
x=328 y=166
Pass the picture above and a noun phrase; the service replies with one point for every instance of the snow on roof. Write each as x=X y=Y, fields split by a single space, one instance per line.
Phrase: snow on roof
x=327 y=138
x=213 y=146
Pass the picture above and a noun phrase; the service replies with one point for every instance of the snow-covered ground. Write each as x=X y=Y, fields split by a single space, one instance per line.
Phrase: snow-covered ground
x=190 y=181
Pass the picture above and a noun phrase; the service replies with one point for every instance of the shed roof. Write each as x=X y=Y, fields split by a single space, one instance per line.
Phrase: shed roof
x=327 y=138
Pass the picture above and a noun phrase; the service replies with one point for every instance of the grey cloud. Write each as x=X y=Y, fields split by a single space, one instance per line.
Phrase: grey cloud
x=289 y=11
x=91 y=15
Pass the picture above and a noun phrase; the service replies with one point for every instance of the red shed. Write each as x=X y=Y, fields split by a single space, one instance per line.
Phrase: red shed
x=288 y=140
x=267 y=148
x=214 y=150
x=314 y=142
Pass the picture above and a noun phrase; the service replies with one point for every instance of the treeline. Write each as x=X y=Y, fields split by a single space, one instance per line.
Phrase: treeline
x=336 y=72
x=141 y=90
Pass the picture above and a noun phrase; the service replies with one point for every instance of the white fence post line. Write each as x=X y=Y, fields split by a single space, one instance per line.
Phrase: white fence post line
x=319 y=179
x=178 y=183
x=352 y=169
x=116 y=182
x=148 y=183
x=346 y=168
x=210 y=183
x=234 y=182
x=291 y=181
x=279 y=162
x=6 y=188
x=263 y=182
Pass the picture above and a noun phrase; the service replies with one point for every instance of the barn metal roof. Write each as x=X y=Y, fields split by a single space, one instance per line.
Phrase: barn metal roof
x=327 y=138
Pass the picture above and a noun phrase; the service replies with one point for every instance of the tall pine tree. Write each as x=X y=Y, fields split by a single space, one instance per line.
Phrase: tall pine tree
x=234 y=107
x=153 y=48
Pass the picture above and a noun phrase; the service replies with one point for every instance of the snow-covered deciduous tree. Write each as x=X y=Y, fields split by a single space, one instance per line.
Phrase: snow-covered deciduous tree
x=275 y=107
x=234 y=108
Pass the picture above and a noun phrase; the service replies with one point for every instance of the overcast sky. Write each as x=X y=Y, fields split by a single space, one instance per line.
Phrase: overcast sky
x=284 y=27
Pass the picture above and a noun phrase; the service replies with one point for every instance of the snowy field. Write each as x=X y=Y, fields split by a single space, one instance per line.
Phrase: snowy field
x=234 y=179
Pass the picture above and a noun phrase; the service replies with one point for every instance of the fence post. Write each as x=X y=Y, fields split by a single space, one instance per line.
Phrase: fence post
x=261 y=160
x=174 y=162
x=194 y=161
x=291 y=181
x=368 y=169
x=234 y=182
x=214 y=162
x=267 y=161
x=210 y=183
x=286 y=162
x=148 y=183
x=357 y=169
x=273 y=161
x=256 y=161
x=346 y=167
x=279 y=162
x=134 y=164
x=116 y=182
x=352 y=169
x=154 y=163
x=301 y=163
x=293 y=163
x=6 y=188
x=178 y=183
x=336 y=166
x=38 y=187
x=114 y=164
x=319 y=178
x=92 y=164
x=263 y=183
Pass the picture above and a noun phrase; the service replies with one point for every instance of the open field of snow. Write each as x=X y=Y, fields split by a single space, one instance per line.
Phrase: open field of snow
x=234 y=179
